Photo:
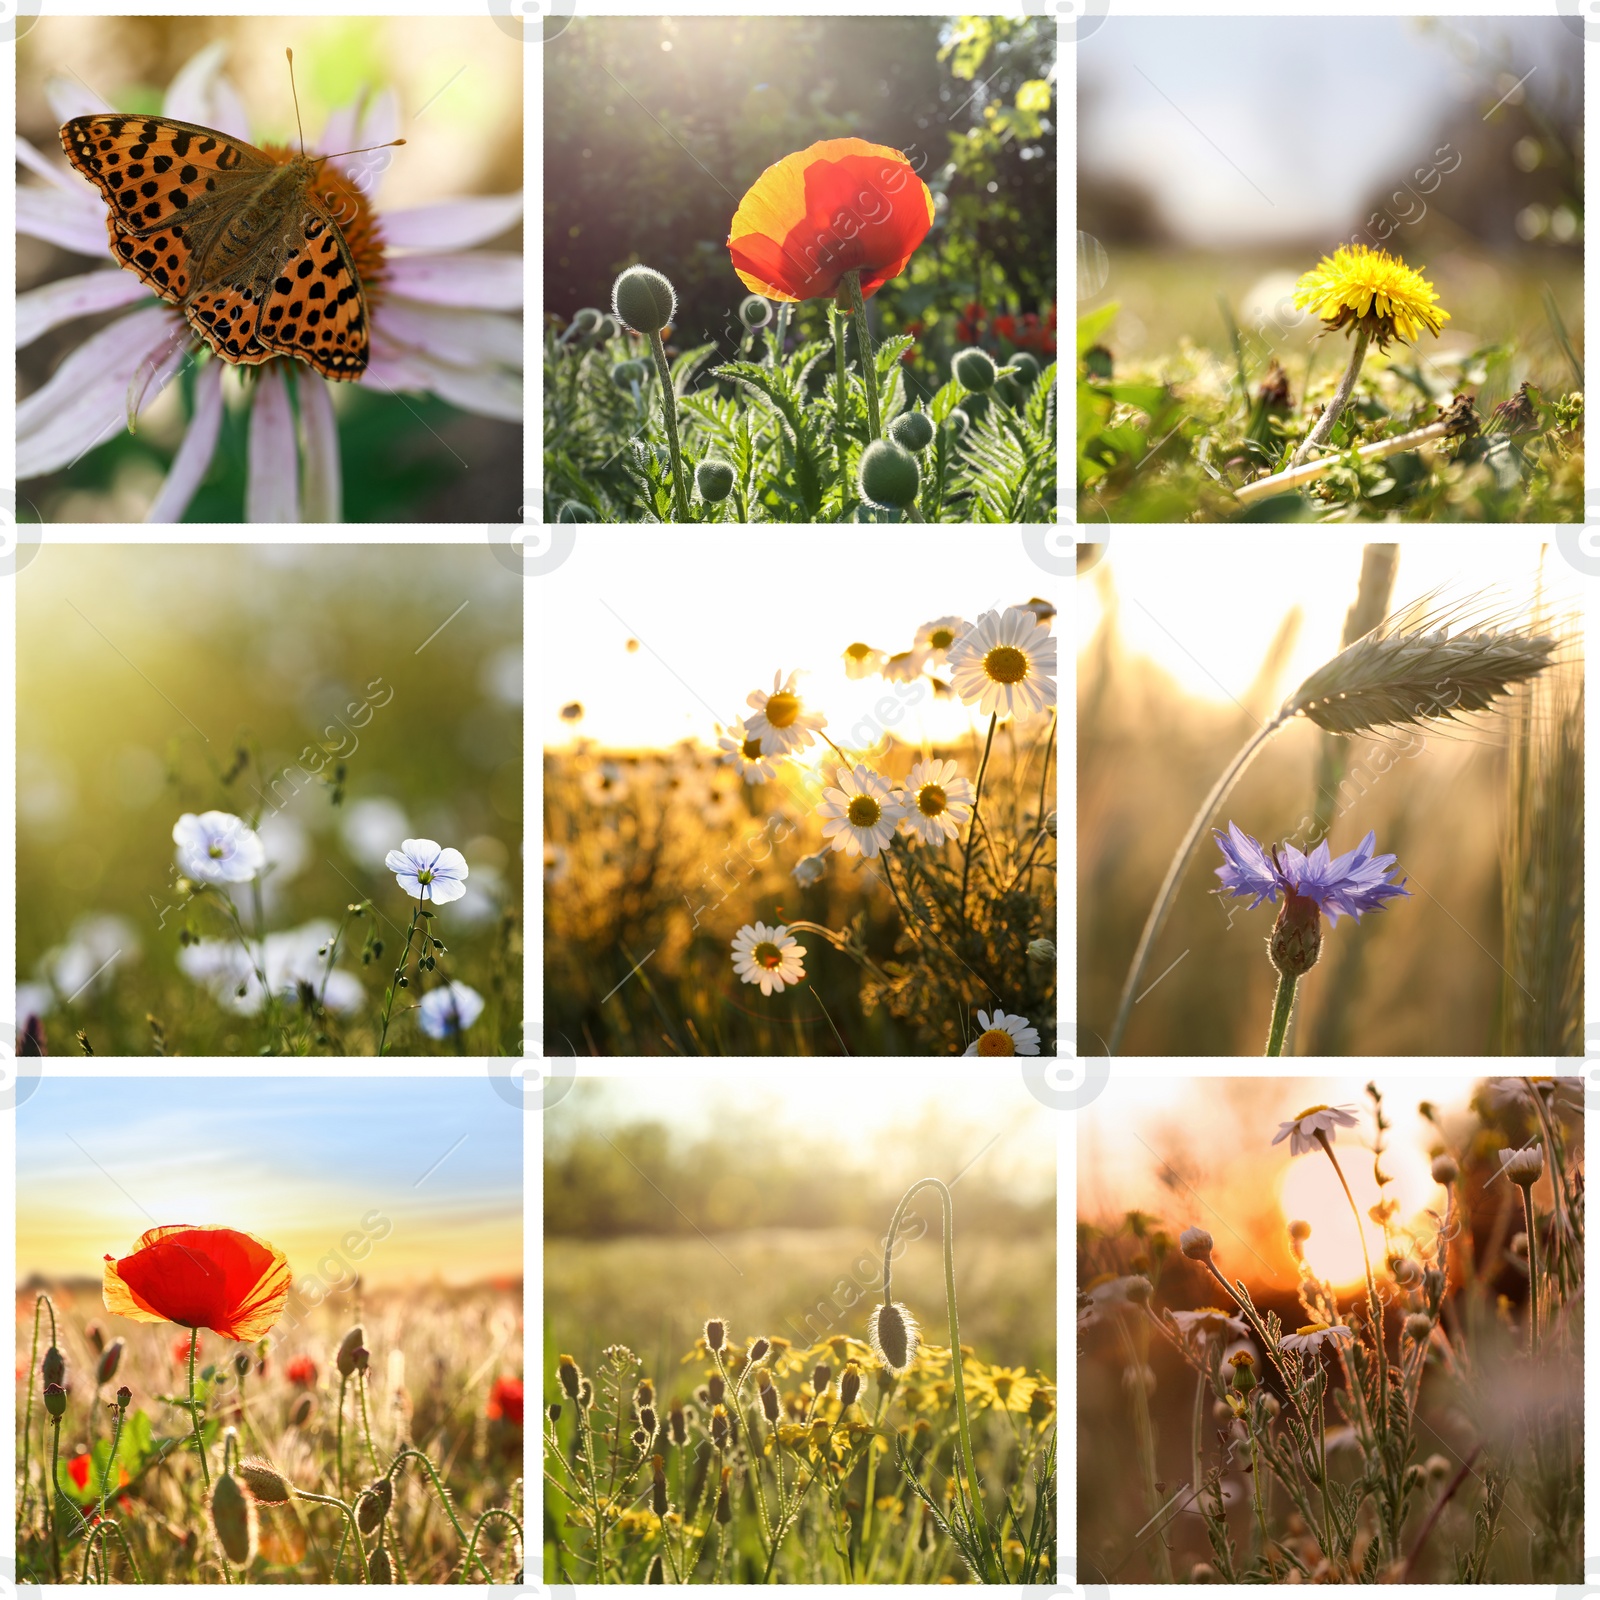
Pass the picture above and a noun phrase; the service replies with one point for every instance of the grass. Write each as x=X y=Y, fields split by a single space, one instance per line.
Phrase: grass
x=428 y=1416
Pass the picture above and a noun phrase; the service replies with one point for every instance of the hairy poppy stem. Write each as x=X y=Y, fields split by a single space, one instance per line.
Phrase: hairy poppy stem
x=42 y=1303
x=1319 y=434
x=1282 y=1006
x=869 y=363
x=841 y=438
x=669 y=413
x=350 y=1529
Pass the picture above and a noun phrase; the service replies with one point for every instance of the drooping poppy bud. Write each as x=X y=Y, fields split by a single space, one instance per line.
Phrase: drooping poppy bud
x=346 y=1358
x=233 y=1516
x=110 y=1360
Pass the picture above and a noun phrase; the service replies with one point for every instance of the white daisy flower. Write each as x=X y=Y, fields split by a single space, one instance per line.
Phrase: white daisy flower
x=1004 y=1036
x=903 y=668
x=1303 y=1130
x=216 y=847
x=935 y=638
x=938 y=803
x=1313 y=1336
x=428 y=871
x=781 y=721
x=1209 y=1322
x=1524 y=1166
x=745 y=751
x=443 y=1013
x=861 y=814
x=771 y=957
x=861 y=660
x=1006 y=664
x=808 y=869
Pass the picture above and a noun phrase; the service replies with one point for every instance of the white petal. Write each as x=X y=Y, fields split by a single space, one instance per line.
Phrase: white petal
x=194 y=455
x=59 y=218
x=188 y=96
x=70 y=97
x=39 y=310
x=52 y=171
x=462 y=338
x=362 y=160
x=485 y=390
x=338 y=132
x=451 y=224
x=319 y=448
x=271 y=491
x=86 y=400
x=490 y=280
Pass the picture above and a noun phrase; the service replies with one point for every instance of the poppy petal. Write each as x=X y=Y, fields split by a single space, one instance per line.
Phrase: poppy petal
x=200 y=1277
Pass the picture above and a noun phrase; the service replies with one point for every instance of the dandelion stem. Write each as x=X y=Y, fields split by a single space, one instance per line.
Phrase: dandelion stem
x=869 y=364
x=972 y=827
x=1282 y=1007
x=1530 y=1222
x=1319 y=435
x=669 y=414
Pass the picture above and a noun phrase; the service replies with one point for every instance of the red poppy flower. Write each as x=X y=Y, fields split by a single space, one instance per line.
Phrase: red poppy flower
x=970 y=324
x=301 y=1372
x=1006 y=328
x=213 y=1278
x=180 y=1350
x=815 y=215
x=505 y=1401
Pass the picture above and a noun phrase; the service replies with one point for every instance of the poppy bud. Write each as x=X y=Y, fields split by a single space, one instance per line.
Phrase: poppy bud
x=719 y=1426
x=755 y=311
x=110 y=1360
x=586 y=321
x=1042 y=952
x=914 y=430
x=233 y=1515
x=553 y=1411
x=54 y=1366
x=714 y=480
x=759 y=1351
x=241 y=1363
x=1296 y=940
x=124 y=1398
x=769 y=1401
x=715 y=1388
x=95 y=1337
x=1027 y=369
x=360 y=1358
x=974 y=370
x=301 y=1413
x=574 y=511
x=55 y=1400
x=627 y=373
x=888 y=475
x=678 y=1421
x=346 y=1358
x=374 y=1505
x=379 y=1567
x=893 y=1333
x=265 y=1482
x=643 y=299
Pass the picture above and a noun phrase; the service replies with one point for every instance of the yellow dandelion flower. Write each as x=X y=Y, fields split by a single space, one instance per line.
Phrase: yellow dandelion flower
x=1360 y=287
x=1004 y=1388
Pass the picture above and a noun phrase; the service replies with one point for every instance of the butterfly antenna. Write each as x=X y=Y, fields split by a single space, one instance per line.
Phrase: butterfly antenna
x=362 y=151
x=296 y=93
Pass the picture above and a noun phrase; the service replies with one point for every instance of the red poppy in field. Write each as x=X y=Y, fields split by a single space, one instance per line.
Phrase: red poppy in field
x=213 y=1278
x=301 y=1372
x=505 y=1401
x=815 y=215
x=180 y=1350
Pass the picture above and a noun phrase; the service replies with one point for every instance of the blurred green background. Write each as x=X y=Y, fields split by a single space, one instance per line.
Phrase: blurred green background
x=655 y=127
x=406 y=458
x=163 y=679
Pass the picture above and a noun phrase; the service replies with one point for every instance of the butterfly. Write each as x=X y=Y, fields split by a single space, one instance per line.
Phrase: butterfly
x=250 y=249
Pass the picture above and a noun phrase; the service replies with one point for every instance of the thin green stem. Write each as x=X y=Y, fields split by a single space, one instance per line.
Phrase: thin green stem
x=972 y=826
x=351 y=1530
x=869 y=363
x=1320 y=434
x=1282 y=1006
x=27 y=1421
x=669 y=414
x=338 y=1434
x=399 y=973
x=1196 y=1450
x=366 y=1427
x=98 y=1535
x=489 y=1516
x=1530 y=1222
x=55 y=1494
x=111 y=1463
x=841 y=438
x=444 y=1500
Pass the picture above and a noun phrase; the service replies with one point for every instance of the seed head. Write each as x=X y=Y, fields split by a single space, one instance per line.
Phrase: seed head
x=658 y=1487
x=719 y=1427
x=233 y=1516
x=570 y=1375
x=759 y=1351
x=648 y=1421
x=553 y=1411
x=53 y=1369
x=892 y=1333
x=724 y=1506
x=1299 y=1231
x=820 y=1376
x=849 y=1386
x=124 y=1398
x=1445 y=1168
x=716 y=1333
x=55 y=1400
x=769 y=1400
x=678 y=1422
x=1418 y=1327
x=1196 y=1243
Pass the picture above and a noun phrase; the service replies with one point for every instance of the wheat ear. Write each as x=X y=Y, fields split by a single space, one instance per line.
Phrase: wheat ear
x=1410 y=669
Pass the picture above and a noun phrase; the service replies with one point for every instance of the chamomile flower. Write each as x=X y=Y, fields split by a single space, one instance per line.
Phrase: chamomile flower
x=935 y=638
x=1313 y=1336
x=1523 y=1166
x=904 y=668
x=809 y=869
x=1004 y=1036
x=1208 y=1322
x=781 y=721
x=1005 y=664
x=861 y=660
x=216 y=847
x=428 y=871
x=1302 y=1131
x=771 y=957
x=744 y=750
x=938 y=803
x=861 y=814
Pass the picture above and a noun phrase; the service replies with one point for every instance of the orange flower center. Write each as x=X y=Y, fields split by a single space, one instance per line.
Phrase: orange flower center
x=1006 y=664
x=864 y=811
x=997 y=1042
x=767 y=955
x=930 y=800
x=782 y=709
x=752 y=749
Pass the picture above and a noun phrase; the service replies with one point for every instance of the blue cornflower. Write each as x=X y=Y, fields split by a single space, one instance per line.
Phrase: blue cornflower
x=1355 y=882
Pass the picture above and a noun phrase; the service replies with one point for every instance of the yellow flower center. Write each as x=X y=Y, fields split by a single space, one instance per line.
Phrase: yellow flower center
x=858 y=651
x=767 y=954
x=941 y=638
x=752 y=749
x=930 y=800
x=864 y=811
x=1006 y=664
x=425 y=875
x=215 y=852
x=782 y=709
x=1310 y=1111
x=1002 y=1384
x=997 y=1042
x=1315 y=1327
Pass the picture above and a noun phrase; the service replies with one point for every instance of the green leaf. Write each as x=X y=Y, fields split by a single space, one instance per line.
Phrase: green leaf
x=1093 y=323
x=1034 y=95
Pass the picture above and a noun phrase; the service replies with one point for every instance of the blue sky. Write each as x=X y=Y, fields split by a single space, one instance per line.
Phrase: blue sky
x=303 y=1162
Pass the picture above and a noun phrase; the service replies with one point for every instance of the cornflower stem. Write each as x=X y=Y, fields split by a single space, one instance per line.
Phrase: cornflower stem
x=977 y=801
x=399 y=972
x=1320 y=434
x=1530 y=1221
x=869 y=364
x=993 y=1572
x=351 y=1530
x=669 y=414
x=1282 y=1008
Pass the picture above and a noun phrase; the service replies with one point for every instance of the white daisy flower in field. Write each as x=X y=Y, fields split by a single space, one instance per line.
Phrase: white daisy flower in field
x=216 y=847
x=861 y=660
x=1209 y=1322
x=443 y=1013
x=428 y=871
x=808 y=869
x=781 y=721
x=1313 y=1336
x=1004 y=1036
x=745 y=750
x=771 y=957
x=1006 y=664
x=903 y=668
x=938 y=803
x=1303 y=1130
x=860 y=815
x=1523 y=1166
x=935 y=638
